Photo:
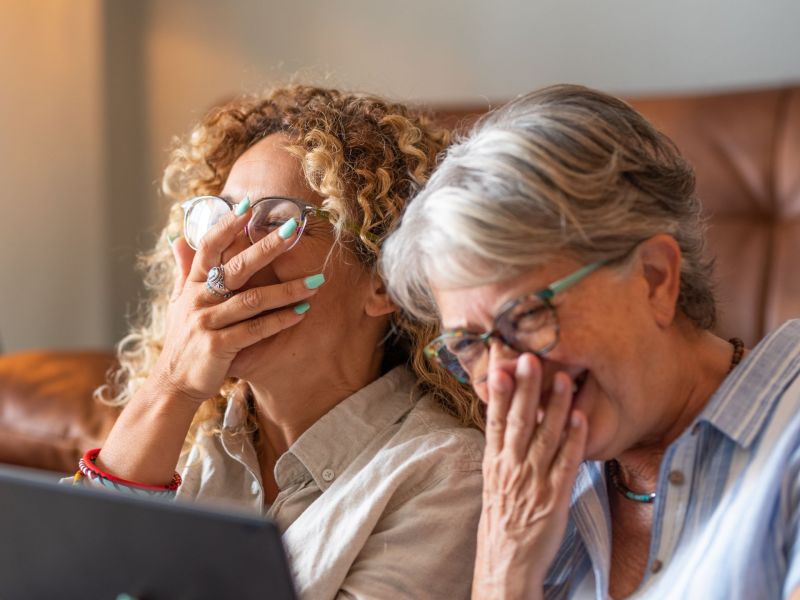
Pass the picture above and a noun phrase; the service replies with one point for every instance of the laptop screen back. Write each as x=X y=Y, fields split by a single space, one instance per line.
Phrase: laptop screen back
x=59 y=541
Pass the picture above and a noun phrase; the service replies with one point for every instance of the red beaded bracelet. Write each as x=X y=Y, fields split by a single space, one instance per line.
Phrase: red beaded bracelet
x=90 y=470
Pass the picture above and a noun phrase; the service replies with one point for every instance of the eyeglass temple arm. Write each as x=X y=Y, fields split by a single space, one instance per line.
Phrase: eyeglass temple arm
x=569 y=280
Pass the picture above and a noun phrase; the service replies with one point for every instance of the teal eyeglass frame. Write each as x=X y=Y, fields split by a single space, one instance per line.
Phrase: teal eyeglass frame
x=545 y=295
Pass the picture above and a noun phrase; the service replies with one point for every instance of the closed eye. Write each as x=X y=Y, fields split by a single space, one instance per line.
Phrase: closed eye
x=530 y=317
x=271 y=224
x=460 y=345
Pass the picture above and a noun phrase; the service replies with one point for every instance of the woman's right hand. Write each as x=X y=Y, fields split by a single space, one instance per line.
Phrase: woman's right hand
x=532 y=456
x=205 y=331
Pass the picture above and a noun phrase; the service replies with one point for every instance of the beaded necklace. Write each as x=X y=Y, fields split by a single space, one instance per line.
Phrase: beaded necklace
x=612 y=467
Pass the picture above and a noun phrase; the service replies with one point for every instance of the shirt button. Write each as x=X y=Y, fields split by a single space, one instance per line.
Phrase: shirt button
x=656 y=566
x=676 y=478
x=328 y=475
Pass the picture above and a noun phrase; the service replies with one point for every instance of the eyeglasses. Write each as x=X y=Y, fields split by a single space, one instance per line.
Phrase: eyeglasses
x=203 y=212
x=526 y=324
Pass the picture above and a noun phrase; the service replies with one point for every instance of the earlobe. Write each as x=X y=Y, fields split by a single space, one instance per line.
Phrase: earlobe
x=379 y=303
x=660 y=258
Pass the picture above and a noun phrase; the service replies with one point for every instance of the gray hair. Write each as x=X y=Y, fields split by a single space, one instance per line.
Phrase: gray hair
x=564 y=171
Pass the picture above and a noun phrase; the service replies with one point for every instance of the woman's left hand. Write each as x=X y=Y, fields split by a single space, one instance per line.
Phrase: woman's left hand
x=529 y=469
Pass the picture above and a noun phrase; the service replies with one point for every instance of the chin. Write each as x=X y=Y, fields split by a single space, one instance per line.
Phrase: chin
x=255 y=360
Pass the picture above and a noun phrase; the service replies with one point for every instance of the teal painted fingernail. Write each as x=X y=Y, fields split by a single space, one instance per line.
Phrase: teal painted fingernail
x=314 y=281
x=172 y=237
x=301 y=308
x=242 y=207
x=287 y=229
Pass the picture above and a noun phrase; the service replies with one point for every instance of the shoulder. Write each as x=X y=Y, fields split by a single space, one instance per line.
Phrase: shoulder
x=776 y=358
x=429 y=452
x=421 y=428
x=429 y=425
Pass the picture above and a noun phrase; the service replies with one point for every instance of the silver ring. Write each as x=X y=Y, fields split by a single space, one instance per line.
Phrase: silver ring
x=215 y=282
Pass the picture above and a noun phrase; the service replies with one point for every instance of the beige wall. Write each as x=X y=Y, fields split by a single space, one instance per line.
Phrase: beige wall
x=52 y=264
x=93 y=91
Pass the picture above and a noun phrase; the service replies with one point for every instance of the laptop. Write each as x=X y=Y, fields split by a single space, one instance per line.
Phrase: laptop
x=62 y=541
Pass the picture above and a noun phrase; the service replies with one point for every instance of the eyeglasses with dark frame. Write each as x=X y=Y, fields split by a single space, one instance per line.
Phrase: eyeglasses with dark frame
x=528 y=323
x=203 y=212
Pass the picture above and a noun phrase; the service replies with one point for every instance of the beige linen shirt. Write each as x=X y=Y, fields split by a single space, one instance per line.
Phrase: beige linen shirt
x=380 y=498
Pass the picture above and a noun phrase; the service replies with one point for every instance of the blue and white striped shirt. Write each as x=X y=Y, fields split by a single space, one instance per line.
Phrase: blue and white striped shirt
x=725 y=525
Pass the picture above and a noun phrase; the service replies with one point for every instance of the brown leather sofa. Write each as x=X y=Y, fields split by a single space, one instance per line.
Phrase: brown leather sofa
x=745 y=147
x=48 y=417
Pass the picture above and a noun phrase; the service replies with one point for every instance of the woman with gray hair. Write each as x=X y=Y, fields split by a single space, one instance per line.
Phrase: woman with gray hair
x=630 y=451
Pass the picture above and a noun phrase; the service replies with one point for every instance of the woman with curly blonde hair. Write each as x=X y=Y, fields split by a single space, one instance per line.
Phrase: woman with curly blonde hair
x=274 y=372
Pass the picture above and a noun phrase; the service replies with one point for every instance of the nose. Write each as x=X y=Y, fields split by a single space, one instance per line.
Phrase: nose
x=240 y=243
x=505 y=358
x=499 y=355
x=500 y=352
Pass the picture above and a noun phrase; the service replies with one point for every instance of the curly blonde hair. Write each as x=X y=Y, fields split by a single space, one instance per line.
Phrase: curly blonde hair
x=366 y=156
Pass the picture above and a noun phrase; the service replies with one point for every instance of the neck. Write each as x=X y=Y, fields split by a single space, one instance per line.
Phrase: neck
x=290 y=406
x=703 y=362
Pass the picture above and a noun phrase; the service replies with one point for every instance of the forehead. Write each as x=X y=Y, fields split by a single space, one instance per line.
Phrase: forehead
x=267 y=169
x=476 y=307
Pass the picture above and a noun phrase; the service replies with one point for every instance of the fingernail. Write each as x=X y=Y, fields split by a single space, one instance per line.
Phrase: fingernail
x=559 y=385
x=287 y=229
x=314 y=281
x=171 y=237
x=301 y=308
x=523 y=367
x=242 y=207
x=575 y=419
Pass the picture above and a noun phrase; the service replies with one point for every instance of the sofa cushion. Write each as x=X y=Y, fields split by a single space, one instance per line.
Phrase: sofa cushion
x=48 y=416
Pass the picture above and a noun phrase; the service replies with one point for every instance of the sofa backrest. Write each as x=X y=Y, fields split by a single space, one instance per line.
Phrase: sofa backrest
x=745 y=148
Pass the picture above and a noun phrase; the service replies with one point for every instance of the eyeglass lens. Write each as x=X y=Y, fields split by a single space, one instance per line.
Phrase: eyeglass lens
x=202 y=215
x=530 y=326
x=268 y=215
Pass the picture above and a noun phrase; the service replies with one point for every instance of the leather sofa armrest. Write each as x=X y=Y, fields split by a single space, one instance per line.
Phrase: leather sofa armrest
x=48 y=416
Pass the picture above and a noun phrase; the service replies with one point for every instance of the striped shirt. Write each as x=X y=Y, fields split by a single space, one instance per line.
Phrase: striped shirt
x=725 y=519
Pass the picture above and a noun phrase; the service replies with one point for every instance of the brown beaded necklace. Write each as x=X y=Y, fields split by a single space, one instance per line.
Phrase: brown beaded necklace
x=612 y=467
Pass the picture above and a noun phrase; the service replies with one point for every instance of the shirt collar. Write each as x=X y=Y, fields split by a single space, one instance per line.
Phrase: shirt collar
x=744 y=401
x=328 y=447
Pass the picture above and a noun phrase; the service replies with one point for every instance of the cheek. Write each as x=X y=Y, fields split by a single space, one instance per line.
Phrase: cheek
x=286 y=267
x=482 y=391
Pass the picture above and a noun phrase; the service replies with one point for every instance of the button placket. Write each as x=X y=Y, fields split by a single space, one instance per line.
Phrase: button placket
x=655 y=566
x=675 y=502
x=676 y=477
